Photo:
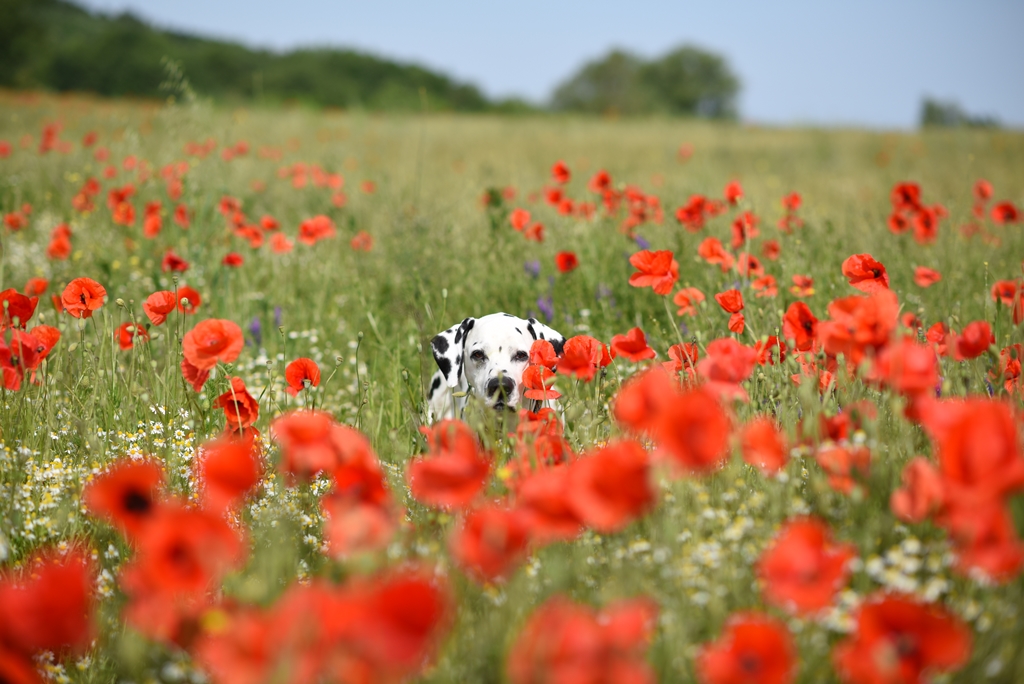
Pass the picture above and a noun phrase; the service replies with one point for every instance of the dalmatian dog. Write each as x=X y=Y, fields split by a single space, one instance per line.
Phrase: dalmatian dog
x=485 y=356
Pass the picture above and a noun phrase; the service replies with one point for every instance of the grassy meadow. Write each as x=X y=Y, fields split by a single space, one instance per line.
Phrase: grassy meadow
x=438 y=255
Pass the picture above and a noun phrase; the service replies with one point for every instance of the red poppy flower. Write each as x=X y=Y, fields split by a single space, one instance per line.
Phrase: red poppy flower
x=537 y=383
x=733 y=192
x=519 y=218
x=900 y=639
x=362 y=242
x=921 y=493
x=638 y=403
x=730 y=300
x=158 y=305
x=567 y=642
x=926 y=277
x=353 y=525
x=194 y=376
x=318 y=228
x=566 y=261
x=865 y=273
x=974 y=341
x=737 y=323
x=982 y=190
x=300 y=374
x=771 y=250
x=82 y=297
x=560 y=173
x=48 y=605
x=36 y=286
x=491 y=543
x=581 y=356
x=182 y=216
x=60 y=246
x=908 y=367
x=632 y=346
x=611 y=486
x=744 y=229
x=280 y=244
x=859 y=325
x=126 y=494
x=542 y=353
x=233 y=259
x=906 y=196
x=173 y=262
x=687 y=300
x=127 y=334
x=212 y=340
x=535 y=232
x=770 y=350
x=803 y=569
x=684 y=357
x=241 y=409
x=763 y=445
x=308 y=442
x=228 y=469
x=455 y=470
x=753 y=648
x=1004 y=213
x=1006 y=291
x=765 y=286
x=657 y=270
x=727 y=364
x=184 y=552
x=844 y=465
x=712 y=251
x=543 y=497
x=985 y=542
x=16 y=309
x=692 y=431
x=978 y=453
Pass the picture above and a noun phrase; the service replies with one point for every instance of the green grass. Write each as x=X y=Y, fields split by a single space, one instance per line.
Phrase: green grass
x=367 y=318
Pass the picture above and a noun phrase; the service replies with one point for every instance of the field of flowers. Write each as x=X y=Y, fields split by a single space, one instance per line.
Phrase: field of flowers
x=789 y=438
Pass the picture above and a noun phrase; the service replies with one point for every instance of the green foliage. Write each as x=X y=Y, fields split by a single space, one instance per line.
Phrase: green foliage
x=55 y=44
x=687 y=81
x=936 y=113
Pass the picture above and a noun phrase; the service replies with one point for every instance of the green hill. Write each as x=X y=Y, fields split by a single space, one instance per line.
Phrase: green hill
x=56 y=45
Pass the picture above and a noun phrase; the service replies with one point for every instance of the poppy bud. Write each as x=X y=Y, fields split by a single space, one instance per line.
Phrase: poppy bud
x=120 y=303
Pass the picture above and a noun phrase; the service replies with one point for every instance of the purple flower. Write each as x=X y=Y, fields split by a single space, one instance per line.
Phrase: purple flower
x=277 y=317
x=256 y=330
x=532 y=268
x=547 y=307
x=642 y=243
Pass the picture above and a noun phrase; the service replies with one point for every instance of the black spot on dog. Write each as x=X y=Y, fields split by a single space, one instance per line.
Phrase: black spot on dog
x=519 y=331
x=440 y=344
x=437 y=383
x=458 y=335
x=558 y=344
x=508 y=314
x=445 y=365
x=529 y=329
x=458 y=360
x=467 y=324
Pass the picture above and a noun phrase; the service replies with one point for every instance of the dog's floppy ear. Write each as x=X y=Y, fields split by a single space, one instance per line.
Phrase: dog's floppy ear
x=539 y=331
x=447 y=347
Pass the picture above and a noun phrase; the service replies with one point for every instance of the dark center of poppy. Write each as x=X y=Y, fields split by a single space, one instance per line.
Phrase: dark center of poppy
x=137 y=502
x=808 y=326
x=876 y=272
x=81 y=297
x=750 y=663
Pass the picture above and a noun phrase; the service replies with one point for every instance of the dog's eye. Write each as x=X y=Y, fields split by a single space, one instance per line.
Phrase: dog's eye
x=478 y=356
x=521 y=356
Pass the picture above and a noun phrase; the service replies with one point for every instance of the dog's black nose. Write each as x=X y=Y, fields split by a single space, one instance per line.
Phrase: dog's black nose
x=505 y=385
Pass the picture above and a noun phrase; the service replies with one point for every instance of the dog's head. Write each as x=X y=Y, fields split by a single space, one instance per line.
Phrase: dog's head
x=490 y=355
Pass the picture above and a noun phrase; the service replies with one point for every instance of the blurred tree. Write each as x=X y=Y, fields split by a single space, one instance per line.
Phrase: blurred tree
x=950 y=114
x=687 y=81
x=693 y=82
x=20 y=34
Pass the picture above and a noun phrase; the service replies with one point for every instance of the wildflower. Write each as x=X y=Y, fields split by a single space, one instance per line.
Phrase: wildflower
x=229 y=469
x=727 y=364
x=657 y=270
x=611 y=486
x=232 y=259
x=212 y=340
x=763 y=445
x=241 y=409
x=921 y=493
x=300 y=374
x=900 y=639
x=491 y=542
x=455 y=470
x=158 y=305
x=865 y=273
x=126 y=494
x=581 y=356
x=632 y=346
x=82 y=297
x=173 y=262
x=753 y=648
x=560 y=173
x=566 y=261
x=687 y=299
x=803 y=569
x=692 y=431
x=127 y=334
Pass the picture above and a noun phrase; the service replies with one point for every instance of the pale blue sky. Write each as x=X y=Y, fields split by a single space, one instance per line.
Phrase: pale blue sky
x=864 y=63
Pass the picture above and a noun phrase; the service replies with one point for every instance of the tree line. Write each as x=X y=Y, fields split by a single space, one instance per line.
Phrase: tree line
x=57 y=45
